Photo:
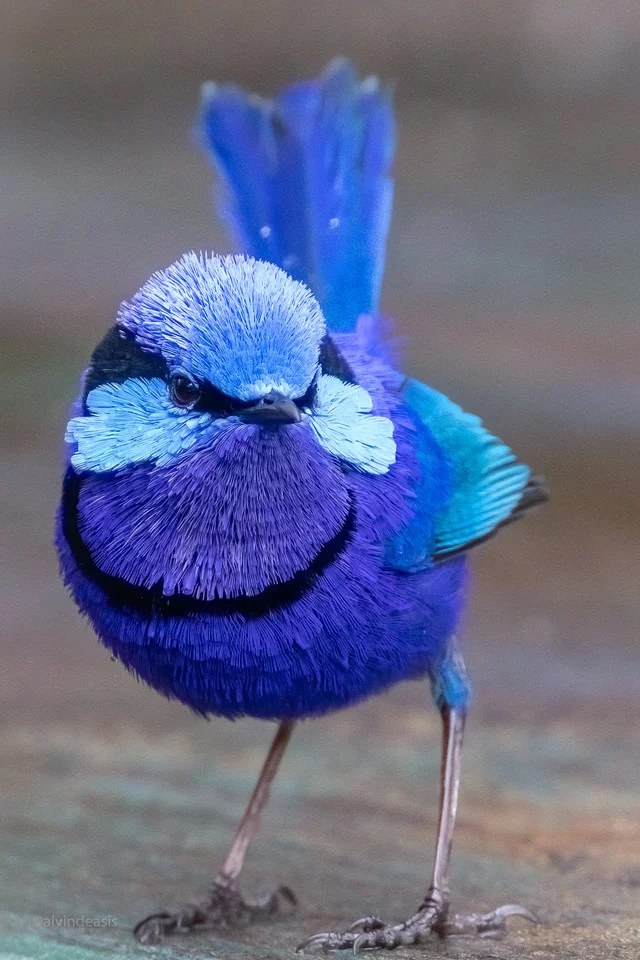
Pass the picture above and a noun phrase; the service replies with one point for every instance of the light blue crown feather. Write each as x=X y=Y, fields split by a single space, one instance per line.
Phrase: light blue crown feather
x=241 y=324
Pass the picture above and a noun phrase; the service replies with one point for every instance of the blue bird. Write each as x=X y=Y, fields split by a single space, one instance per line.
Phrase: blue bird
x=262 y=517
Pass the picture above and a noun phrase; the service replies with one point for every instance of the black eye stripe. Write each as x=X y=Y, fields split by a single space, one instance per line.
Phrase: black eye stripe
x=333 y=363
x=308 y=397
x=215 y=401
x=118 y=357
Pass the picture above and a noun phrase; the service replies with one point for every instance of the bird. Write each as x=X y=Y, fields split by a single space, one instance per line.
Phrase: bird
x=261 y=514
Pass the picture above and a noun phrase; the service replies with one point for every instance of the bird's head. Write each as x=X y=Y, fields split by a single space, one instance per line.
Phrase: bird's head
x=217 y=421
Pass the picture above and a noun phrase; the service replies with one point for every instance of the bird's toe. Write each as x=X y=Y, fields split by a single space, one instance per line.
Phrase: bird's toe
x=225 y=908
x=371 y=933
x=492 y=924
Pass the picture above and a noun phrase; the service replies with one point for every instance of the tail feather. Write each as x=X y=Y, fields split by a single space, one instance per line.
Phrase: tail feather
x=307 y=182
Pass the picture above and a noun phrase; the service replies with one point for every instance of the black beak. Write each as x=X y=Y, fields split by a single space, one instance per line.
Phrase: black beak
x=271 y=410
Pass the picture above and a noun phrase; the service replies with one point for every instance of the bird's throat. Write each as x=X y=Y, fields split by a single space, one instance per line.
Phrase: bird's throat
x=206 y=531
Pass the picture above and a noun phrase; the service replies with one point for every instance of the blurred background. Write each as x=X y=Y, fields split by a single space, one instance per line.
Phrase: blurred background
x=514 y=269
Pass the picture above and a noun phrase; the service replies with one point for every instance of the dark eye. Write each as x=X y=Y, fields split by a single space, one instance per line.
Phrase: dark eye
x=183 y=391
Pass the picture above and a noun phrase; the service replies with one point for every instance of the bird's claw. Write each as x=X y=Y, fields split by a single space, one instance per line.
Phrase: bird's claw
x=226 y=907
x=430 y=919
x=490 y=924
x=328 y=941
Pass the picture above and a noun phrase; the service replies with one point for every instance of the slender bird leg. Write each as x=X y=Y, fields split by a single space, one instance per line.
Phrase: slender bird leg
x=226 y=907
x=370 y=933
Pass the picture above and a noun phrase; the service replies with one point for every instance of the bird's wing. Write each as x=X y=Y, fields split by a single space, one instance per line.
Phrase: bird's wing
x=307 y=181
x=486 y=486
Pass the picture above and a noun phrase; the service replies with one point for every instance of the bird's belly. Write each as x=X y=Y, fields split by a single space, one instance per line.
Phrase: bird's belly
x=357 y=629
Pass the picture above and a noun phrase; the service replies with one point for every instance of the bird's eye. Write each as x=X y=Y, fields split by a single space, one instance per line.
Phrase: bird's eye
x=183 y=391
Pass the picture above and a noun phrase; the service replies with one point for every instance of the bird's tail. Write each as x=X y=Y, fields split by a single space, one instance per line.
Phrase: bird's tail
x=306 y=181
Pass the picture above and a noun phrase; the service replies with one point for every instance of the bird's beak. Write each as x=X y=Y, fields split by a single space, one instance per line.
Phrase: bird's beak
x=273 y=409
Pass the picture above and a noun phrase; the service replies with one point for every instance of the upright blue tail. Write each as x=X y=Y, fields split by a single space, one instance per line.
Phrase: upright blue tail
x=307 y=183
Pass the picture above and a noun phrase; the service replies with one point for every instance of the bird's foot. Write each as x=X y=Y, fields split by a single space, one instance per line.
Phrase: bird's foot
x=371 y=933
x=226 y=907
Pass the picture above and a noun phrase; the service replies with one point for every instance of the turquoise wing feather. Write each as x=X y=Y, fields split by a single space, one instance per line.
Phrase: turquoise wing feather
x=486 y=486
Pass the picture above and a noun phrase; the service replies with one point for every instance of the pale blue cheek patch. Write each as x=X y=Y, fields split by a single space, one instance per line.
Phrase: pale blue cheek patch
x=134 y=422
x=344 y=425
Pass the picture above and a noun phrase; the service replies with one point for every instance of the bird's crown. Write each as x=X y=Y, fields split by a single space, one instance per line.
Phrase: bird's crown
x=242 y=324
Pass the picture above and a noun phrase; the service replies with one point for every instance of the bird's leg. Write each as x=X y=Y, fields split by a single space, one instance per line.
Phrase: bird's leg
x=370 y=933
x=225 y=906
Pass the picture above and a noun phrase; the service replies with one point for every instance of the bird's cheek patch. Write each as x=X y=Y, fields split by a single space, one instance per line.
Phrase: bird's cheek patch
x=344 y=425
x=133 y=422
